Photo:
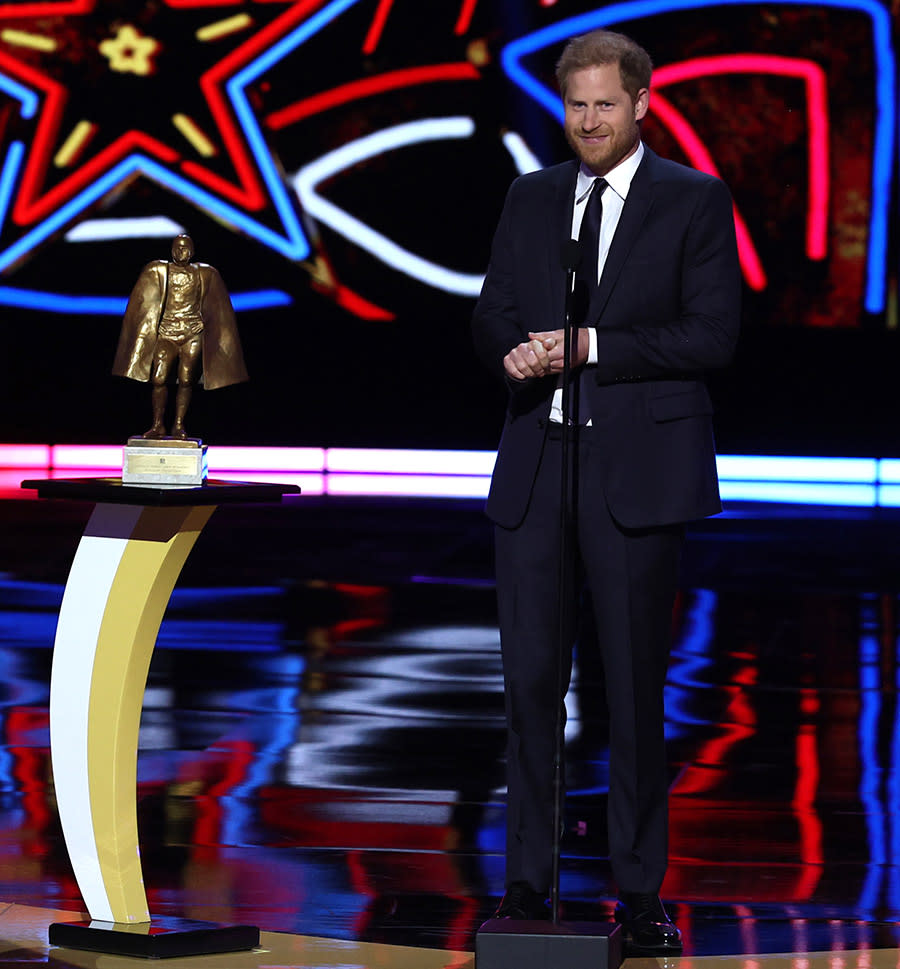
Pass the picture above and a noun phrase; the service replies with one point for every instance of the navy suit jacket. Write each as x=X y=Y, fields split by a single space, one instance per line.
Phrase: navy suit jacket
x=668 y=311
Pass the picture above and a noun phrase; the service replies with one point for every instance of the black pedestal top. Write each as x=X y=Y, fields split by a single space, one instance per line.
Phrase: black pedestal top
x=112 y=490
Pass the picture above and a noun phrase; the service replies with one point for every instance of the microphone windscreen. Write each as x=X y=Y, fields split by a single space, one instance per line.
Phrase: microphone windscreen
x=570 y=255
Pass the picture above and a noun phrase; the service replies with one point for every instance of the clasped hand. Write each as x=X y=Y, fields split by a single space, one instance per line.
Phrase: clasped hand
x=542 y=354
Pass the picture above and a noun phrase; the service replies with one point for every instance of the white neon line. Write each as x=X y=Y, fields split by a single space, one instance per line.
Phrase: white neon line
x=390 y=253
x=100 y=230
x=523 y=157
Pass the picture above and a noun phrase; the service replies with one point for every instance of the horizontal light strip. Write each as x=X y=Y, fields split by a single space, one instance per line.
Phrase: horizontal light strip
x=109 y=458
x=266 y=458
x=889 y=471
x=835 y=481
x=889 y=496
x=388 y=461
x=409 y=485
x=25 y=455
x=766 y=468
x=104 y=457
x=799 y=493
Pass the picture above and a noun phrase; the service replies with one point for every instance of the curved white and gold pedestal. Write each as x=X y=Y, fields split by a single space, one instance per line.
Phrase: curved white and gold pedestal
x=121 y=578
x=119 y=586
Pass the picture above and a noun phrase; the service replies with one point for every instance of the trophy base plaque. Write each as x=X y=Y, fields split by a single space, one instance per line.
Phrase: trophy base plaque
x=164 y=462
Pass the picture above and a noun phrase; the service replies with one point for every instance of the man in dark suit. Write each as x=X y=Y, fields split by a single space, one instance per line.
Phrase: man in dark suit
x=663 y=295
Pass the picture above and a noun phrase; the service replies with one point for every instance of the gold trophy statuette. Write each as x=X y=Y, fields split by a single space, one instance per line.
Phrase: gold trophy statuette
x=179 y=323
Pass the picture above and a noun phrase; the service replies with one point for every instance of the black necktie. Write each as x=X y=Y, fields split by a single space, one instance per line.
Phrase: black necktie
x=586 y=286
x=589 y=237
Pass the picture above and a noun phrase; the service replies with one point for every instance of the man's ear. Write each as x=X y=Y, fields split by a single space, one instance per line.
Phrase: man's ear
x=641 y=103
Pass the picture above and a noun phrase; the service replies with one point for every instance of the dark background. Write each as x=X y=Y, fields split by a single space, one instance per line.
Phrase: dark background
x=814 y=373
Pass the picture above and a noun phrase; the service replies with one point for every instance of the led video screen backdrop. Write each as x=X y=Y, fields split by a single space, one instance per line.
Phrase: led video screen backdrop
x=343 y=165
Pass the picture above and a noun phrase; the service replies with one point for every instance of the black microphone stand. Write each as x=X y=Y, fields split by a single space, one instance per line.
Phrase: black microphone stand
x=517 y=944
x=570 y=257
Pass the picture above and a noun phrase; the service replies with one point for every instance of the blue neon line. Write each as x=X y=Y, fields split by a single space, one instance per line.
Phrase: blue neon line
x=690 y=657
x=26 y=96
x=239 y=804
x=884 y=113
x=270 y=176
x=46 y=228
x=262 y=300
x=867 y=733
x=7 y=761
x=294 y=247
x=60 y=303
x=294 y=39
x=235 y=88
x=115 y=306
x=892 y=794
x=139 y=164
x=9 y=176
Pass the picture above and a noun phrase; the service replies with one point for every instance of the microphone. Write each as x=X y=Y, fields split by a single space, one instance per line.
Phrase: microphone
x=575 y=307
x=570 y=255
x=576 y=291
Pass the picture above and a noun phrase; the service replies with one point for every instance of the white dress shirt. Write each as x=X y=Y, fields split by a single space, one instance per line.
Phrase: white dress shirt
x=618 y=180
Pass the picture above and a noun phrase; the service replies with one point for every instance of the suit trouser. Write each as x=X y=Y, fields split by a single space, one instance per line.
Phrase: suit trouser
x=632 y=578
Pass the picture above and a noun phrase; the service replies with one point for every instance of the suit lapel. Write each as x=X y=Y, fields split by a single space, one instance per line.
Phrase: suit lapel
x=637 y=205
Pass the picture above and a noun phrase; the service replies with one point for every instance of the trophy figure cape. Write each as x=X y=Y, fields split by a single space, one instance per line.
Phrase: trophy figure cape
x=222 y=357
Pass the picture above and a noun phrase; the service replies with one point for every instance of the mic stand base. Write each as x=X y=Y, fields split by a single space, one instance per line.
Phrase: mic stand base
x=519 y=944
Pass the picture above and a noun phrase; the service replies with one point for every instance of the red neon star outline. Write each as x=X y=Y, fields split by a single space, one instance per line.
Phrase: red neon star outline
x=31 y=204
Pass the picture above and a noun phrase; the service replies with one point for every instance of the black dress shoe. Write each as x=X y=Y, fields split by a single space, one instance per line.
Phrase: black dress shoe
x=522 y=902
x=648 y=928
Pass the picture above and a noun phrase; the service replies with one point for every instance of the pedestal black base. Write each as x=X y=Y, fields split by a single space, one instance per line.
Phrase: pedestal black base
x=511 y=944
x=160 y=938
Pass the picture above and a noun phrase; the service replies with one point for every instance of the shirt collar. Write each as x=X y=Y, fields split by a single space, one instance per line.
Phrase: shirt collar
x=618 y=178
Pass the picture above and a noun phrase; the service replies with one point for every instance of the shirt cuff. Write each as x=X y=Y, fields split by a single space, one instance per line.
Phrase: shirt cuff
x=592 y=345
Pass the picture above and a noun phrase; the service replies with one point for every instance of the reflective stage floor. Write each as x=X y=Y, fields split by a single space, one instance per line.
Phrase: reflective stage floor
x=321 y=747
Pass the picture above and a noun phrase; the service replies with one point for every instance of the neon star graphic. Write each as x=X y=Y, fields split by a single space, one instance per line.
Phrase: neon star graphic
x=130 y=52
x=109 y=92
